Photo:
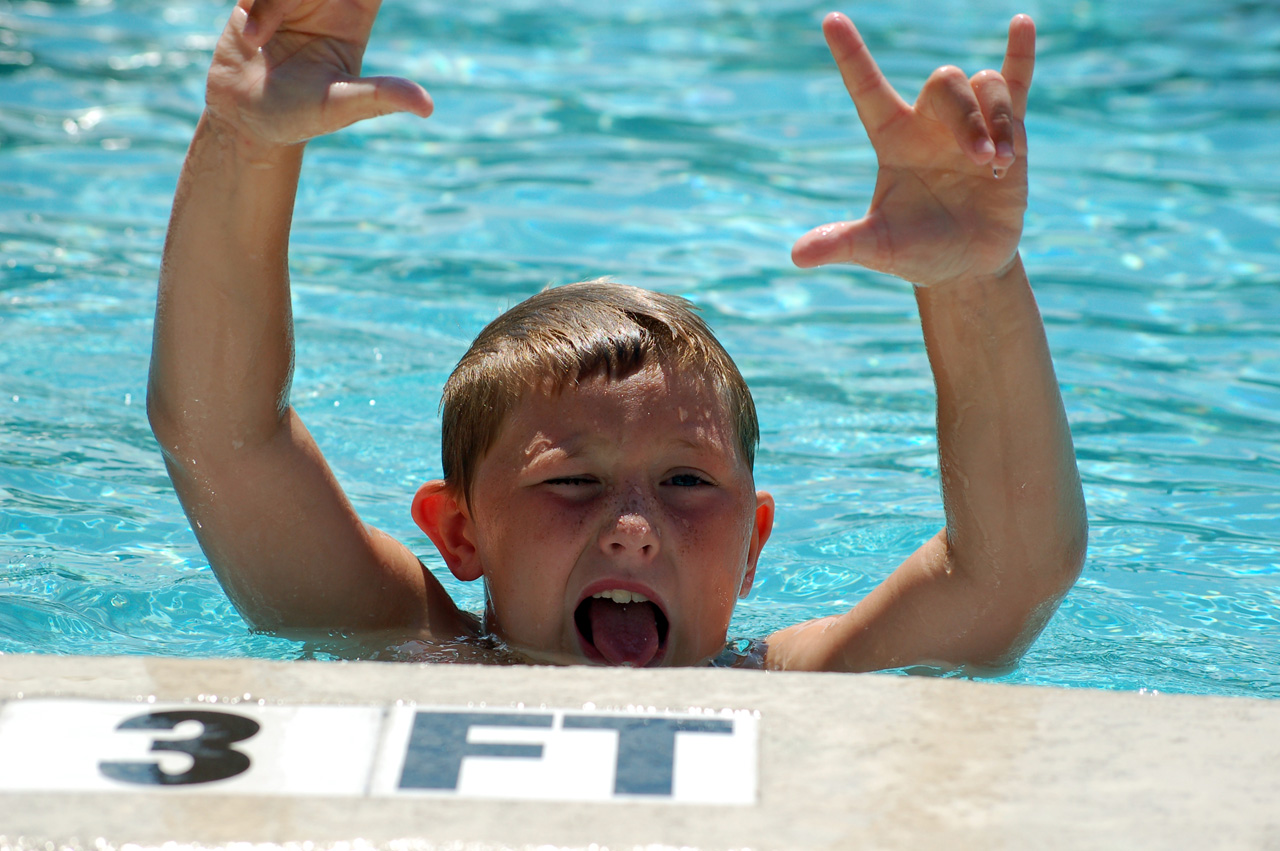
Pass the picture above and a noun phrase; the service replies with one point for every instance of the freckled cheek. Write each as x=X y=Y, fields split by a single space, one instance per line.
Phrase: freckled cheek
x=561 y=524
x=721 y=527
x=545 y=537
x=714 y=544
x=687 y=532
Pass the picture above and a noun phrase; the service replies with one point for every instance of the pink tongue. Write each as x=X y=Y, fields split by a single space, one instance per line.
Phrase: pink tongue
x=624 y=634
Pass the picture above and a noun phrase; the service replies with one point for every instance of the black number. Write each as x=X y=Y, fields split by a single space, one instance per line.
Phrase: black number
x=212 y=757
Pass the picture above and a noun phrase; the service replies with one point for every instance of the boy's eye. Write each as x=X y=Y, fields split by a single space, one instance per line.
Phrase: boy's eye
x=687 y=480
x=571 y=480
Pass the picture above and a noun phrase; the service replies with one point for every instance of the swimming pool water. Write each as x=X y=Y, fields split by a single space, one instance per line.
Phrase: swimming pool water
x=681 y=146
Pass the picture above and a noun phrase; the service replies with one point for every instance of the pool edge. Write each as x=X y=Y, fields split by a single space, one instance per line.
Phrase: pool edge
x=843 y=761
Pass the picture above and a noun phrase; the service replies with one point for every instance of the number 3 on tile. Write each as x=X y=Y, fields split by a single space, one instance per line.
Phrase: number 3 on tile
x=211 y=752
x=90 y=745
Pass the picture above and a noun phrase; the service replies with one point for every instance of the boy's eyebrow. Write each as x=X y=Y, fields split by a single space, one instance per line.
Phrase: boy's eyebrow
x=541 y=444
x=569 y=447
x=713 y=444
x=577 y=445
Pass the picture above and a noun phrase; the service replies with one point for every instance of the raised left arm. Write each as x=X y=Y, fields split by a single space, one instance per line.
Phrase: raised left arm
x=947 y=215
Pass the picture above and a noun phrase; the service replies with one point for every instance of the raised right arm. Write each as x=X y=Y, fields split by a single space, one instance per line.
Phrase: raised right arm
x=275 y=525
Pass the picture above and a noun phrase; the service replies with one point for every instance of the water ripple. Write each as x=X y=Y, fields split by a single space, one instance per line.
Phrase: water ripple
x=683 y=146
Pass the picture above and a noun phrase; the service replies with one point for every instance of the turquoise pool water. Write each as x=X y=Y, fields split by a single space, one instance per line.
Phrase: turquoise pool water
x=681 y=146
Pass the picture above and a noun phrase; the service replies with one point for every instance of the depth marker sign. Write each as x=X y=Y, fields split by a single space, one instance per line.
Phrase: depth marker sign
x=383 y=751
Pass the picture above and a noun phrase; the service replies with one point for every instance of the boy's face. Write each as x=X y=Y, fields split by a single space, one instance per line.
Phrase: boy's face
x=605 y=487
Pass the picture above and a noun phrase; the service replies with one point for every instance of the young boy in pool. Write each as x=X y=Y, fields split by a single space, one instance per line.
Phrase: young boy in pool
x=598 y=441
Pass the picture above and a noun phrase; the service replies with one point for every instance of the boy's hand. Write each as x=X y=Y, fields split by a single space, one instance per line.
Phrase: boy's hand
x=285 y=71
x=952 y=186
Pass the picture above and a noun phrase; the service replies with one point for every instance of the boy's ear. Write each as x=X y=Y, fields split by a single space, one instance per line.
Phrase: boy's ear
x=446 y=521
x=759 y=534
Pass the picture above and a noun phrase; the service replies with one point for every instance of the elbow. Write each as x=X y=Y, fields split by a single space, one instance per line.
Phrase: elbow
x=1057 y=576
x=1045 y=545
x=1055 y=573
x=157 y=414
x=1020 y=600
x=182 y=437
x=1073 y=536
x=166 y=424
x=1071 y=550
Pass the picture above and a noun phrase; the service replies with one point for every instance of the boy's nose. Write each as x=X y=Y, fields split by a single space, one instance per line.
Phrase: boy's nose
x=631 y=533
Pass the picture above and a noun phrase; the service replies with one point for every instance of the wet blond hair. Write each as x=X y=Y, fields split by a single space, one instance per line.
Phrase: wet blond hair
x=569 y=334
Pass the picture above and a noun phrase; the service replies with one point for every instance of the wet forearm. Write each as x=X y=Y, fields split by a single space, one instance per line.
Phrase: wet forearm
x=222 y=351
x=1015 y=511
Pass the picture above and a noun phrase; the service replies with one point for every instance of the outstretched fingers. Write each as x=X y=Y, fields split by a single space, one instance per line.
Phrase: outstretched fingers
x=1020 y=62
x=877 y=102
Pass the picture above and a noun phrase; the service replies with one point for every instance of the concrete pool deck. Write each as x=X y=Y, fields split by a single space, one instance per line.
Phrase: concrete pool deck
x=351 y=755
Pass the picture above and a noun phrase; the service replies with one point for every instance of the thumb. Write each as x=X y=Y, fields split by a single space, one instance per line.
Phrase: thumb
x=861 y=242
x=356 y=99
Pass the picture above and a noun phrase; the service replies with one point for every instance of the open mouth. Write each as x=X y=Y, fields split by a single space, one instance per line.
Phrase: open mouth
x=622 y=628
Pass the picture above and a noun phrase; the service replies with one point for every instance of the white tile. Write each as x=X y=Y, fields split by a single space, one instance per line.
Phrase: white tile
x=83 y=745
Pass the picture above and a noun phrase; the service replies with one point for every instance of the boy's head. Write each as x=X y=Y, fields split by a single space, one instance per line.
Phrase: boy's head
x=598 y=443
x=568 y=334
